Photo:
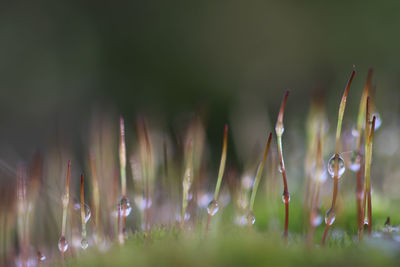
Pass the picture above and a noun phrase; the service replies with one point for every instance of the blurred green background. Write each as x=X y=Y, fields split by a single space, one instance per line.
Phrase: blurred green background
x=60 y=59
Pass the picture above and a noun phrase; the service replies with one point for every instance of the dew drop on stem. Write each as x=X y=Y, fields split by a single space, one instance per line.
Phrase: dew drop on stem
x=285 y=197
x=124 y=207
x=84 y=243
x=213 y=207
x=332 y=163
x=330 y=217
x=355 y=163
x=62 y=244
x=251 y=219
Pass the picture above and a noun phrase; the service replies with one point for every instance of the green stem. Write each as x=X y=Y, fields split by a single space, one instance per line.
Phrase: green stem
x=222 y=163
x=259 y=173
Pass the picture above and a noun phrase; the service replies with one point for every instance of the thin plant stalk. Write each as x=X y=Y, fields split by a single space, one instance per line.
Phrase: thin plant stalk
x=83 y=213
x=342 y=107
x=366 y=167
x=259 y=174
x=96 y=197
x=122 y=156
x=122 y=164
x=361 y=111
x=148 y=175
x=369 y=133
x=222 y=163
x=357 y=153
x=220 y=173
x=22 y=215
x=279 y=129
x=187 y=181
x=368 y=175
x=65 y=203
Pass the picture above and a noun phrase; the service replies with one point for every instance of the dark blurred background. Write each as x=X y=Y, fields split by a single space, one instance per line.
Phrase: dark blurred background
x=60 y=59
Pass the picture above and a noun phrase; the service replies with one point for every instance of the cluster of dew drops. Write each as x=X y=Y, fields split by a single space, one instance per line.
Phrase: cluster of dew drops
x=124 y=208
x=354 y=166
x=213 y=208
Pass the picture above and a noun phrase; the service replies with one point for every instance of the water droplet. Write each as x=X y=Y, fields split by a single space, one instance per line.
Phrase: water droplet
x=365 y=223
x=88 y=213
x=330 y=217
x=317 y=220
x=279 y=168
x=279 y=129
x=331 y=166
x=124 y=207
x=213 y=207
x=187 y=179
x=285 y=197
x=62 y=244
x=355 y=163
x=378 y=120
x=250 y=218
x=84 y=243
x=41 y=256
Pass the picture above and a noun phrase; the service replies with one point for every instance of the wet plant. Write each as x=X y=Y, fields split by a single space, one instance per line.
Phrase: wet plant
x=250 y=215
x=336 y=163
x=369 y=137
x=123 y=208
x=279 y=129
x=187 y=181
x=169 y=177
x=84 y=241
x=96 y=200
x=62 y=242
x=213 y=206
x=357 y=161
